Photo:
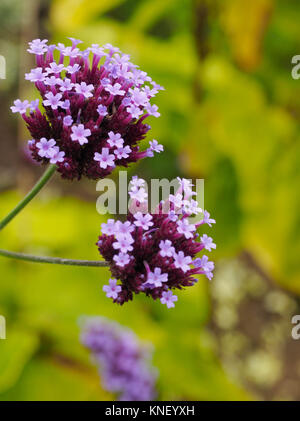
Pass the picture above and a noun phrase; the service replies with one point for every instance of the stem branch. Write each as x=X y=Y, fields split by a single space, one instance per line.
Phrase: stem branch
x=52 y=260
x=41 y=259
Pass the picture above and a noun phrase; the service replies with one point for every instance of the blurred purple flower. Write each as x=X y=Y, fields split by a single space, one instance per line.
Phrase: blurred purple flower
x=124 y=362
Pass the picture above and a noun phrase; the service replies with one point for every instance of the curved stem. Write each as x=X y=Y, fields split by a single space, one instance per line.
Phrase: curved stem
x=33 y=192
x=52 y=260
x=41 y=259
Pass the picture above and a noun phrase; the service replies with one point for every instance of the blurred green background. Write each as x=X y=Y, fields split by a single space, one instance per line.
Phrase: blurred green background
x=230 y=114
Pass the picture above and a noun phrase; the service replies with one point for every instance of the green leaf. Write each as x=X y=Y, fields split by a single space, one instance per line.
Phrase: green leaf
x=15 y=351
x=67 y=15
x=57 y=379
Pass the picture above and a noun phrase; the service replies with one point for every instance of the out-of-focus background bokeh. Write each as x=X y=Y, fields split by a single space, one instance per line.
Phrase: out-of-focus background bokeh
x=229 y=114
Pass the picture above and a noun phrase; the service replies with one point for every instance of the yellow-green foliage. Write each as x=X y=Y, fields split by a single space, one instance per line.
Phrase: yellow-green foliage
x=42 y=357
x=231 y=116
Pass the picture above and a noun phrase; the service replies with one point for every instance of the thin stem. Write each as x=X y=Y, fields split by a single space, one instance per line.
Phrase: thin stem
x=41 y=259
x=33 y=192
x=52 y=260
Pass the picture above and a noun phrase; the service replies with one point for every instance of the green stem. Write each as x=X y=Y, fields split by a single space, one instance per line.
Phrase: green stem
x=52 y=260
x=33 y=192
x=41 y=259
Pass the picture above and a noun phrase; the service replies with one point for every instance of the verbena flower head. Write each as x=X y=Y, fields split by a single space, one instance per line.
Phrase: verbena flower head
x=125 y=363
x=95 y=104
x=155 y=253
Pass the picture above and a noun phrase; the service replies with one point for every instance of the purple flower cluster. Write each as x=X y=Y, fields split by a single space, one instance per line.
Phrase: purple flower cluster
x=155 y=253
x=125 y=363
x=95 y=104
